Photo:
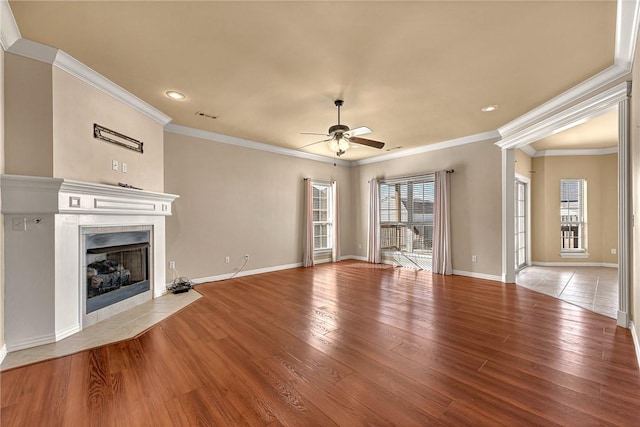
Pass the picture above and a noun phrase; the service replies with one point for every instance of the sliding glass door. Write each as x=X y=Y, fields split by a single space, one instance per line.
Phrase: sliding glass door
x=521 y=235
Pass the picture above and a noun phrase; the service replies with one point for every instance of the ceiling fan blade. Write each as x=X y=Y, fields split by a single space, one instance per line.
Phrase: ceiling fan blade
x=313 y=133
x=367 y=142
x=314 y=143
x=362 y=130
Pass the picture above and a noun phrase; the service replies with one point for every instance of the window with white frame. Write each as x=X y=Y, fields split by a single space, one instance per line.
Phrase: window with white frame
x=573 y=215
x=406 y=215
x=322 y=216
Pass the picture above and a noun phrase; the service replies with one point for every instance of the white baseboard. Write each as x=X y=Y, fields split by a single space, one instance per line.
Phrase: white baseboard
x=67 y=332
x=478 y=275
x=245 y=273
x=3 y=352
x=636 y=340
x=267 y=270
x=346 y=257
x=31 y=342
x=574 y=264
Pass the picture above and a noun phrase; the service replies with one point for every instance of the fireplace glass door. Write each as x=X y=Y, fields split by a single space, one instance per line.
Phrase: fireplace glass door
x=117 y=266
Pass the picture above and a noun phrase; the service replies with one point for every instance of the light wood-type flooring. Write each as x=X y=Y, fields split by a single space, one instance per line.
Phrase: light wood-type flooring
x=345 y=344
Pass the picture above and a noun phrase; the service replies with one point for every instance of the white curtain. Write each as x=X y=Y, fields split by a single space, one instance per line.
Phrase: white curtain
x=373 y=254
x=335 y=252
x=307 y=234
x=442 y=225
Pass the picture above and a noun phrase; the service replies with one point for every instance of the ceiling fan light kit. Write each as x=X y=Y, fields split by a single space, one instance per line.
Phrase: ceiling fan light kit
x=341 y=136
x=339 y=146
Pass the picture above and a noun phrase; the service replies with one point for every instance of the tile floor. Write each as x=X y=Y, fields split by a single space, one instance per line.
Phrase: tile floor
x=593 y=288
x=122 y=326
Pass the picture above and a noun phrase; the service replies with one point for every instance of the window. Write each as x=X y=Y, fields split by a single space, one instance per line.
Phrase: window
x=521 y=237
x=406 y=216
x=573 y=215
x=322 y=217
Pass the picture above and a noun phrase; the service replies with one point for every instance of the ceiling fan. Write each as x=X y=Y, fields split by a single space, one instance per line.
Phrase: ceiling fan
x=340 y=136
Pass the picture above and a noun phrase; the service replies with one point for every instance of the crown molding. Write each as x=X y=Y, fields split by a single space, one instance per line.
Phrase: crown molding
x=245 y=143
x=492 y=136
x=627 y=24
x=232 y=140
x=529 y=150
x=576 y=152
x=584 y=89
x=9 y=32
x=33 y=50
x=74 y=67
x=580 y=113
x=65 y=62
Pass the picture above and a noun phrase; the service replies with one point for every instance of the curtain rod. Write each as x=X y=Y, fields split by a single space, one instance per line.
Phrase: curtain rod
x=320 y=181
x=404 y=178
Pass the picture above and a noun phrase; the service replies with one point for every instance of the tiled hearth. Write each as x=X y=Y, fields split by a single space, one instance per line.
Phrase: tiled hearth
x=127 y=324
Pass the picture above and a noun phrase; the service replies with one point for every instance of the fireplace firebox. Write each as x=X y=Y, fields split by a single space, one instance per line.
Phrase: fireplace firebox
x=117 y=267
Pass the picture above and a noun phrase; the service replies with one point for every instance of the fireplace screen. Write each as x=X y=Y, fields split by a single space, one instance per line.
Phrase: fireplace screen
x=117 y=267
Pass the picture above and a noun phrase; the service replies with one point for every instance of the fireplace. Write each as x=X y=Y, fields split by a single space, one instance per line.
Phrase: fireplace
x=100 y=250
x=117 y=267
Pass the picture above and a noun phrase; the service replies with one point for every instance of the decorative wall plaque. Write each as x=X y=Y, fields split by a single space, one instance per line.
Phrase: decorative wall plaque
x=101 y=132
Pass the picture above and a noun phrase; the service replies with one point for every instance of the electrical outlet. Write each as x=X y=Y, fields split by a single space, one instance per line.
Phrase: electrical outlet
x=614 y=251
x=474 y=258
x=246 y=257
x=125 y=168
x=114 y=165
x=227 y=260
x=172 y=265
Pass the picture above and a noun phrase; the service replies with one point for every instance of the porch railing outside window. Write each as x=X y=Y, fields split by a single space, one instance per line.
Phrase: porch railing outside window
x=406 y=216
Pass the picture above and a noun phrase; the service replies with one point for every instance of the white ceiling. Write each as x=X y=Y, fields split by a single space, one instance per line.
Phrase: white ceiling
x=416 y=73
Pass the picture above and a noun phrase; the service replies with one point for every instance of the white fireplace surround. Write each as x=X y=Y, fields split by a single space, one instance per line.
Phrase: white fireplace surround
x=45 y=284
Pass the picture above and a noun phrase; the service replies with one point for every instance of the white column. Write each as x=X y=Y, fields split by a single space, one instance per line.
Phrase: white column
x=508 y=215
x=624 y=211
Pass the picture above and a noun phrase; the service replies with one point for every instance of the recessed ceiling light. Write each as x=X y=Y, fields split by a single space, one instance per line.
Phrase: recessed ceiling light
x=174 y=95
x=489 y=108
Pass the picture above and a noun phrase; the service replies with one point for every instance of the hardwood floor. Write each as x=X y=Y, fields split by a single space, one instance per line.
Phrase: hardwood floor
x=345 y=344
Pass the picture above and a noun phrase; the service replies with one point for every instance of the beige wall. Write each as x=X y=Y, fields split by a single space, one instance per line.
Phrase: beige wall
x=236 y=201
x=476 y=201
x=78 y=155
x=50 y=116
x=28 y=117
x=601 y=173
x=523 y=164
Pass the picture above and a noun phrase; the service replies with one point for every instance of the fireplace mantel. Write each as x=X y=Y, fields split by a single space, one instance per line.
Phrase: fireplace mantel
x=22 y=194
x=44 y=219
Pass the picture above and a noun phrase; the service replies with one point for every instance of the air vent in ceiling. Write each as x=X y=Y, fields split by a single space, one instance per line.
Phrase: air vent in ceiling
x=207 y=115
